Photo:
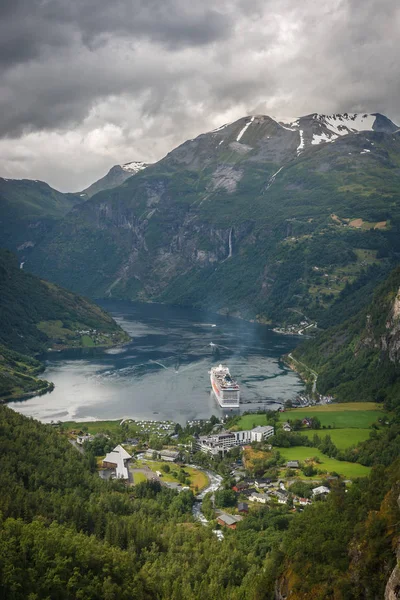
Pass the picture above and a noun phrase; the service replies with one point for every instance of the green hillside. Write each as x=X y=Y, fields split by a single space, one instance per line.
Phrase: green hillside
x=29 y=209
x=359 y=360
x=36 y=315
x=251 y=228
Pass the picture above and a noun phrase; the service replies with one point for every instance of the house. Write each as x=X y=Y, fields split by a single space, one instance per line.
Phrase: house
x=304 y=501
x=228 y=520
x=166 y=455
x=81 y=439
x=169 y=455
x=292 y=464
x=307 y=422
x=240 y=487
x=249 y=492
x=118 y=459
x=286 y=426
x=282 y=498
x=322 y=490
x=262 y=482
x=243 y=507
x=257 y=497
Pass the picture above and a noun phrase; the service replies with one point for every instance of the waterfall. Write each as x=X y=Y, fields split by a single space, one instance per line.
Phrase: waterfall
x=230 y=243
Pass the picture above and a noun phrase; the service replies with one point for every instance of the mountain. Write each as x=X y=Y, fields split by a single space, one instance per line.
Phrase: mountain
x=28 y=210
x=254 y=218
x=36 y=315
x=115 y=176
x=359 y=359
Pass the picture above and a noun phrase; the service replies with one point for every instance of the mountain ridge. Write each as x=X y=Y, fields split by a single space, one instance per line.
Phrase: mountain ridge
x=115 y=176
x=240 y=219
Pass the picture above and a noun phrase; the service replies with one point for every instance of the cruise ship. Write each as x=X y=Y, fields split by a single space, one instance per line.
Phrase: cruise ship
x=225 y=388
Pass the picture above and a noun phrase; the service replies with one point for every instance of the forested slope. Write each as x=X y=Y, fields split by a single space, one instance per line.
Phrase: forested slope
x=67 y=534
x=359 y=359
x=29 y=209
x=36 y=315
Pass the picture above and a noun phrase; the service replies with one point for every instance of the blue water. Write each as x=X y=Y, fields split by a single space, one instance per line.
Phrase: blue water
x=163 y=372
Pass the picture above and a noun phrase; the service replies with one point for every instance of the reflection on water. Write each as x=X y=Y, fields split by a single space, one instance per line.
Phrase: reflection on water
x=164 y=369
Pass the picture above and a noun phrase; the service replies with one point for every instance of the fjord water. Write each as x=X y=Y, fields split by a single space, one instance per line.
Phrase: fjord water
x=163 y=372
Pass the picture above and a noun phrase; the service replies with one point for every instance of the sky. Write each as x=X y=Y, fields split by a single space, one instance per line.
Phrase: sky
x=86 y=84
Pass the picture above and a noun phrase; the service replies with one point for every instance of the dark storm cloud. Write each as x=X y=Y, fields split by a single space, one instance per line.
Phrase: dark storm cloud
x=29 y=27
x=93 y=82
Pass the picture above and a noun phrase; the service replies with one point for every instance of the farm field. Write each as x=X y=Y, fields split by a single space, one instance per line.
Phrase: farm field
x=342 y=438
x=347 y=469
x=360 y=415
x=198 y=479
x=337 y=419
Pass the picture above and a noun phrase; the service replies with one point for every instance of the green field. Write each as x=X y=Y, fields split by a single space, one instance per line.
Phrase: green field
x=342 y=438
x=346 y=469
x=340 y=418
x=93 y=426
x=198 y=479
x=138 y=477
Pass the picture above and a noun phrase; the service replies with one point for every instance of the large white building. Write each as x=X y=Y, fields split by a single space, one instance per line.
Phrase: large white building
x=225 y=440
x=118 y=459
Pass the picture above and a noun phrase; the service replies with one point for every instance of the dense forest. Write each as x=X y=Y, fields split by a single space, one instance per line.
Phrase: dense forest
x=65 y=533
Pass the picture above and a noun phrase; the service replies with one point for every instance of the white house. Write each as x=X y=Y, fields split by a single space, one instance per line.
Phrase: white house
x=81 y=439
x=321 y=490
x=256 y=497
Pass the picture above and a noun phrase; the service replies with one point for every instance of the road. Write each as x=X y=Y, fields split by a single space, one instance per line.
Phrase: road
x=314 y=387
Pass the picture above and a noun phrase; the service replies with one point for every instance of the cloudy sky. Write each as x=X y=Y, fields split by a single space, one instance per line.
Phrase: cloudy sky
x=86 y=84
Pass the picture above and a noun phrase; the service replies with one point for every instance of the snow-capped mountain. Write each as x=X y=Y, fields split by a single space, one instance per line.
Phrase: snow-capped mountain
x=134 y=167
x=115 y=176
x=317 y=128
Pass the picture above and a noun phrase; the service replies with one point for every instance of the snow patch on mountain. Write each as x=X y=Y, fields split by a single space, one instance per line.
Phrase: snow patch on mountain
x=241 y=133
x=342 y=124
x=134 y=167
x=323 y=137
x=301 y=145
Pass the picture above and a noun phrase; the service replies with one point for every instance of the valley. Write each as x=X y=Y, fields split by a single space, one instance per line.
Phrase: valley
x=237 y=238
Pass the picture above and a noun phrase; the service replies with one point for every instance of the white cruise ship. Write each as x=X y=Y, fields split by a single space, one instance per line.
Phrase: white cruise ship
x=225 y=388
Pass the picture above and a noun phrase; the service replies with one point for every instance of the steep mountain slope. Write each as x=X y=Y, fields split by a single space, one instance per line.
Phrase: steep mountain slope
x=253 y=218
x=36 y=315
x=28 y=210
x=115 y=176
x=360 y=358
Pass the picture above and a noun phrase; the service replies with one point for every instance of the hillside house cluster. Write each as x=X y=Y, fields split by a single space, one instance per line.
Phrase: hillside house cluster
x=225 y=440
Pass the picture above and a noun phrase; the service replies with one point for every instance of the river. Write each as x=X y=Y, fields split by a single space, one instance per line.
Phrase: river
x=163 y=372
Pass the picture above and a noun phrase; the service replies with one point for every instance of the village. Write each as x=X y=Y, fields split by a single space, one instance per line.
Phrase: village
x=232 y=472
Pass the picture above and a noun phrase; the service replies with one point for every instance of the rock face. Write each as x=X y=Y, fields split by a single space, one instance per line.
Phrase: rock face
x=239 y=218
x=392 y=591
